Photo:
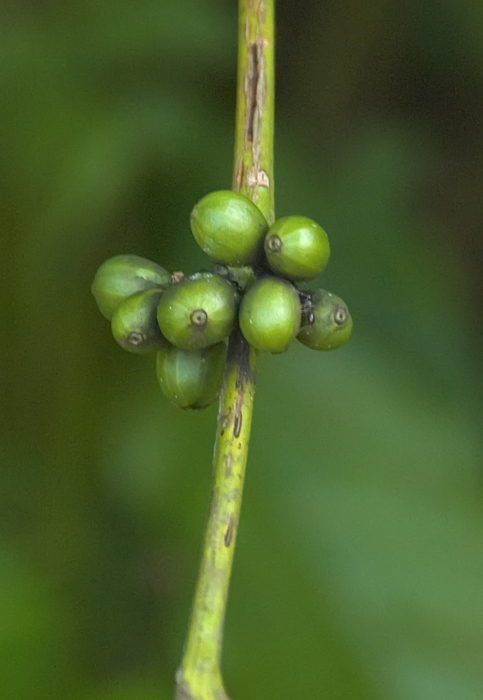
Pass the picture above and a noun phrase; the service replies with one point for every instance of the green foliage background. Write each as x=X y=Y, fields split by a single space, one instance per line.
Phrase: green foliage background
x=359 y=570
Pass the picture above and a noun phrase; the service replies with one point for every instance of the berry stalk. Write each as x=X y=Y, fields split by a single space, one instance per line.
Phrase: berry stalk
x=199 y=676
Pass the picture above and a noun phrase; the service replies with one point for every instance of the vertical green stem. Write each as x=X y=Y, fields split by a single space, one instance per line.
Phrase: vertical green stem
x=199 y=676
x=253 y=167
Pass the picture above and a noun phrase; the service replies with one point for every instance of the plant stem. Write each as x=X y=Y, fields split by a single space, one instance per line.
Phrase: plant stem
x=253 y=167
x=199 y=677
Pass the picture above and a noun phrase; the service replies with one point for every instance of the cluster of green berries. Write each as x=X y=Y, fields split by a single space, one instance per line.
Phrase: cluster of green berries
x=188 y=319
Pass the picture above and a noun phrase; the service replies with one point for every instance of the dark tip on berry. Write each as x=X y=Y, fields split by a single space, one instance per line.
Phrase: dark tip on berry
x=340 y=315
x=135 y=338
x=134 y=324
x=199 y=318
x=274 y=244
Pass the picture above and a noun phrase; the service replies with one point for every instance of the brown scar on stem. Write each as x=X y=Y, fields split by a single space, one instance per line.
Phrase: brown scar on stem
x=228 y=538
x=255 y=87
x=239 y=354
x=215 y=509
x=251 y=89
x=238 y=420
x=237 y=423
x=240 y=174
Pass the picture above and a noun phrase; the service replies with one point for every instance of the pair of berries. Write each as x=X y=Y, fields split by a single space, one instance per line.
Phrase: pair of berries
x=187 y=319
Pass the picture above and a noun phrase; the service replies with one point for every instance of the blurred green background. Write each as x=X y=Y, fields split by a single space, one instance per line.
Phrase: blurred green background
x=359 y=567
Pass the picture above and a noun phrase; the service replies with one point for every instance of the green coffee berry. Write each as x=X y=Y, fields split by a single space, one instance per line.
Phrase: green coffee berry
x=191 y=378
x=228 y=227
x=296 y=247
x=122 y=276
x=135 y=325
x=270 y=314
x=198 y=311
x=327 y=321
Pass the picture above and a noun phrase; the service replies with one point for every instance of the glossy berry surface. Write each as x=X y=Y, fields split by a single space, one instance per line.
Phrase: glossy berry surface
x=198 y=311
x=122 y=276
x=270 y=314
x=191 y=378
x=228 y=227
x=135 y=325
x=327 y=322
x=297 y=248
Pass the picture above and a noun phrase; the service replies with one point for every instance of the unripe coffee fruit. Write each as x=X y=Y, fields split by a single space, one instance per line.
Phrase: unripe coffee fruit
x=135 y=324
x=198 y=312
x=122 y=276
x=328 y=323
x=191 y=378
x=270 y=314
x=297 y=248
x=228 y=227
